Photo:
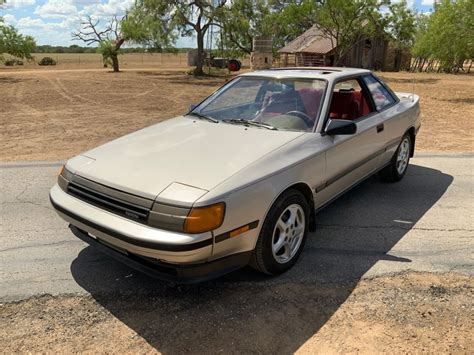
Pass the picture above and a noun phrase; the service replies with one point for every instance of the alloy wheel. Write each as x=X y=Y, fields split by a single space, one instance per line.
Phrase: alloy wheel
x=288 y=233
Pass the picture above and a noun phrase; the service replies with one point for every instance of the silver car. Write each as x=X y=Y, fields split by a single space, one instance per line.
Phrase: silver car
x=238 y=179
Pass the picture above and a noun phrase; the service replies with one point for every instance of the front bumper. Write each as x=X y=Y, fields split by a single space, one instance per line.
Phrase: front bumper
x=185 y=273
x=131 y=236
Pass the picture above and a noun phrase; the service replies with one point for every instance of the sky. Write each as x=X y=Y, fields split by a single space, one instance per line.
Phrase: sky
x=52 y=21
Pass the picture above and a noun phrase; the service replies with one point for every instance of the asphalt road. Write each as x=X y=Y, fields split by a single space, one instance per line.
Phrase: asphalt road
x=423 y=223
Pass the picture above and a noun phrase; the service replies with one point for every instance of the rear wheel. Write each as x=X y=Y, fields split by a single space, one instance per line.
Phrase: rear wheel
x=399 y=164
x=283 y=234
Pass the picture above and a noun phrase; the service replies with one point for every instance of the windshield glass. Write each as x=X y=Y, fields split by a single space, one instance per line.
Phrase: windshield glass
x=283 y=104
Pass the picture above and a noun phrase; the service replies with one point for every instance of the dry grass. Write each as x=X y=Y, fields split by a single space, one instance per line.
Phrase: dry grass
x=94 y=60
x=55 y=114
x=447 y=108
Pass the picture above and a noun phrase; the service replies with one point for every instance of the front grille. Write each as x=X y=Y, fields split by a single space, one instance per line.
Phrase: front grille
x=112 y=204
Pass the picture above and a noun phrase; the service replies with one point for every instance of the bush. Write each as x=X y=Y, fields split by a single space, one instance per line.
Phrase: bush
x=12 y=62
x=47 y=61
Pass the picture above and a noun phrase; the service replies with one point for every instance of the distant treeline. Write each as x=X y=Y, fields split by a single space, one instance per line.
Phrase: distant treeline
x=78 y=49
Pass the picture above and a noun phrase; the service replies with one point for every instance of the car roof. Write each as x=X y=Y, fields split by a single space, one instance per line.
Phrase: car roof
x=328 y=73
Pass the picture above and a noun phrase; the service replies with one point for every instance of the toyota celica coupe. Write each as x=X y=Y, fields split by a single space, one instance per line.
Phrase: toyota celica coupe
x=238 y=179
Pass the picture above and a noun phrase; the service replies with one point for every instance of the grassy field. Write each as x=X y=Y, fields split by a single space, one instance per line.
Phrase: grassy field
x=94 y=60
x=55 y=113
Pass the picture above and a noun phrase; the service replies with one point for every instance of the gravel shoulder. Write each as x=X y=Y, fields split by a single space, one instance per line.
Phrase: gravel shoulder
x=402 y=313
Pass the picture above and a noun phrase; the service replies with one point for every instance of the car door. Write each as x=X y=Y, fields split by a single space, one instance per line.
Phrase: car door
x=394 y=120
x=350 y=158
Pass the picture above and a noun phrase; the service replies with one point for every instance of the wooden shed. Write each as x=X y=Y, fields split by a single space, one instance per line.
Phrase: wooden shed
x=313 y=48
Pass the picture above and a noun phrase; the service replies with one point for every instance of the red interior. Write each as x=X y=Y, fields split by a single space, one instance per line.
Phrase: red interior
x=348 y=105
x=311 y=99
x=363 y=104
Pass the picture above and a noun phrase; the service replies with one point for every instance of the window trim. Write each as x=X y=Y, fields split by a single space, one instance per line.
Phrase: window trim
x=364 y=90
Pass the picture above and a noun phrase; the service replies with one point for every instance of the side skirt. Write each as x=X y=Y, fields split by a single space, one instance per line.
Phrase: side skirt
x=350 y=188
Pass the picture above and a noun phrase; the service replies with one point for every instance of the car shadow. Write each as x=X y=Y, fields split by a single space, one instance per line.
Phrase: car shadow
x=251 y=313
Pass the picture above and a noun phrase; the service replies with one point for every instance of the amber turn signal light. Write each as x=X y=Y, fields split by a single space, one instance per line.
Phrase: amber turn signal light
x=204 y=219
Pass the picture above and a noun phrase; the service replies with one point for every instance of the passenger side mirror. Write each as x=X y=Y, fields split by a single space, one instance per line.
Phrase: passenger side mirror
x=340 y=127
x=192 y=107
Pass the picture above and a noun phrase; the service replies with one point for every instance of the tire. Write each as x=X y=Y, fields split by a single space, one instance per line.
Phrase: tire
x=234 y=65
x=270 y=258
x=398 y=166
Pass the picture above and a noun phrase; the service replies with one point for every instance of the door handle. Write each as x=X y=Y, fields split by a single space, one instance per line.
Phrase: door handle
x=380 y=128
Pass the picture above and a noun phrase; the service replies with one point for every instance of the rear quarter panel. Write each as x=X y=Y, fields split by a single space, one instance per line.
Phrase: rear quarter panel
x=398 y=119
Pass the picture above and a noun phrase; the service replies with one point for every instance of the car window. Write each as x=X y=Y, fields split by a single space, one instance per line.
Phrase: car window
x=380 y=94
x=348 y=101
x=284 y=104
x=236 y=95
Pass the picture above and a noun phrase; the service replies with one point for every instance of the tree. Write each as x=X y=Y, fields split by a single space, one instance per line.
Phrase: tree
x=243 y=20
x=173 y=17
x=346 y=22
x=14 y=43
x=292 y=18
x=448 y=36
x=401 y=27
x=109 y=39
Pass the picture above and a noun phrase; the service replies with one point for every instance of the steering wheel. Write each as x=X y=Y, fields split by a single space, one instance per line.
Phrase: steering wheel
x=303 y=116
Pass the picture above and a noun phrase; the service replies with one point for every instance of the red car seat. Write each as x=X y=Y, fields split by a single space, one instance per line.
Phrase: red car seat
x=344 y=106
x=363 y=104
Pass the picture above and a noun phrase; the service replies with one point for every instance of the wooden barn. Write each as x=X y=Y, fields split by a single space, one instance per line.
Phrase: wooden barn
x=313 y=48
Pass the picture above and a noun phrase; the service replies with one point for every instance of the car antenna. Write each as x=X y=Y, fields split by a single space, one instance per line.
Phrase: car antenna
x=413 y=93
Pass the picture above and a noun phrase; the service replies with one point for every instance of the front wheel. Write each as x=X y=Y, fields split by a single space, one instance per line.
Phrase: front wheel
x=399 y=164
x=283 y=234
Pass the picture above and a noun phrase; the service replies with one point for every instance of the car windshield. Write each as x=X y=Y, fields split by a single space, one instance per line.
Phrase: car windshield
x=269 y=103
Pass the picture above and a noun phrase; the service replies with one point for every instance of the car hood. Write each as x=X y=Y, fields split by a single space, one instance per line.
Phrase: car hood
x=179 y=152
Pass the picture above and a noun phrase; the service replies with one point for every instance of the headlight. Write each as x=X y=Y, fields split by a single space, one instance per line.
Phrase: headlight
x=204 y=219
x=66 y=173
x=64 y=178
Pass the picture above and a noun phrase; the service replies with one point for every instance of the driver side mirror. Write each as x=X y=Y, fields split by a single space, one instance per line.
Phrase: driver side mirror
x=340 y=127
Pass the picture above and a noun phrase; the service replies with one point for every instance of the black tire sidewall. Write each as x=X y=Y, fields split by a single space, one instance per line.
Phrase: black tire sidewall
x=266 y=234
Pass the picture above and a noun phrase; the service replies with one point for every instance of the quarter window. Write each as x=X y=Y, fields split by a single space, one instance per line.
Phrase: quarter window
x=380 y=94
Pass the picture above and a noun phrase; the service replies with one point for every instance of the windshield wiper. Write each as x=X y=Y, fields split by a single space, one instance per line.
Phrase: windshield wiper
x=251 y=123
x=201 y=116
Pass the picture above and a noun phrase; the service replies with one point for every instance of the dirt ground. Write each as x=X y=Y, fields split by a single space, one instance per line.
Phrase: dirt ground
x=404 y=313
x=50 y=114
